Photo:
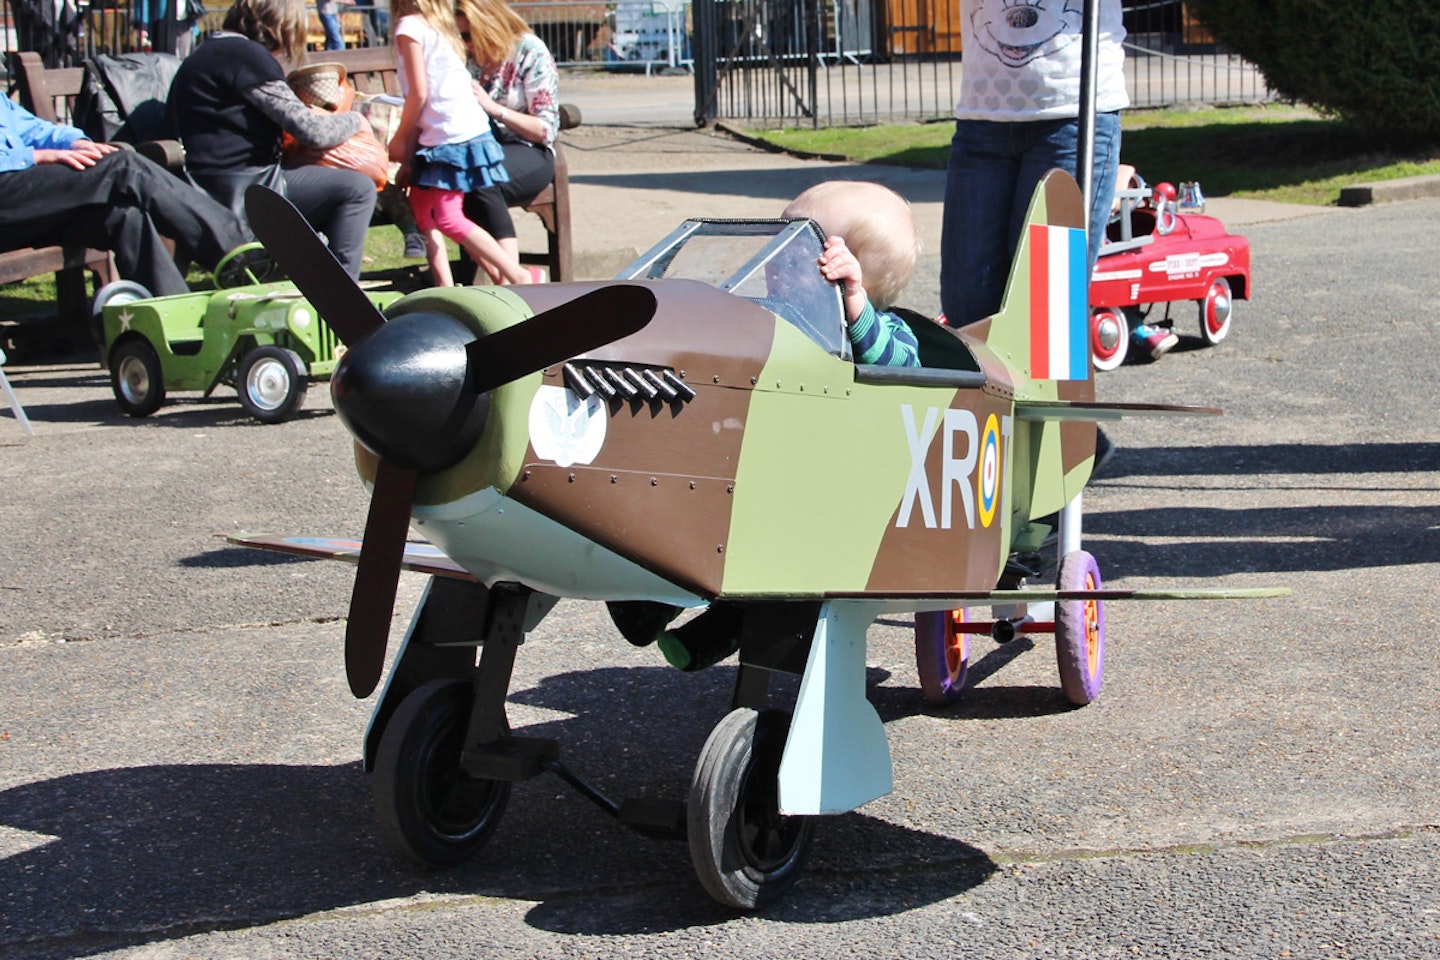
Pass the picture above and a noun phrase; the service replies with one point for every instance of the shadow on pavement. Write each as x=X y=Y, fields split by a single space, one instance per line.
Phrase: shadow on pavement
x=134 y=855
x=1273 y=458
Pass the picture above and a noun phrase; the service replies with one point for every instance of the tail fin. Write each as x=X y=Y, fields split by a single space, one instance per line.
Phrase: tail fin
x=1041 y=330
x=1042 y=334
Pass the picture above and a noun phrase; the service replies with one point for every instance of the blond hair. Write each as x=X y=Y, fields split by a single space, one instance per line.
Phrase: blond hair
x=279 y=26
x=495 y=30
x=440 y=14
x=877 y=225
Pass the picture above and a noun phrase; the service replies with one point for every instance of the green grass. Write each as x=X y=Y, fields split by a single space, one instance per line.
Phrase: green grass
x=1284 y=153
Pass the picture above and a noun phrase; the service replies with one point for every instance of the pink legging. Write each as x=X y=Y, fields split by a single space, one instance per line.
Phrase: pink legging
x=443 y=209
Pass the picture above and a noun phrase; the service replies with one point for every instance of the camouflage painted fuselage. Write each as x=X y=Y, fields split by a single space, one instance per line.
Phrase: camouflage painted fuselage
x=791 y=472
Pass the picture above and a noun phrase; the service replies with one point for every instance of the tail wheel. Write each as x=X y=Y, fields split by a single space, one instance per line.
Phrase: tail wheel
x=745 y=851
x=942 y=654
x=431 y=811
x=1109 y=338
x=1080 y=630
x=272 y=382
x=1216 y=311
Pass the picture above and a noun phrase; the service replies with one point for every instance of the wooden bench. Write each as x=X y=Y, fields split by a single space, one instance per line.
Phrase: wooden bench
x=352 y=29
x=372 y=70
x=49 y=94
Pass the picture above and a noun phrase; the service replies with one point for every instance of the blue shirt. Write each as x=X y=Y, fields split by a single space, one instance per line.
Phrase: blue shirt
x=22 y=133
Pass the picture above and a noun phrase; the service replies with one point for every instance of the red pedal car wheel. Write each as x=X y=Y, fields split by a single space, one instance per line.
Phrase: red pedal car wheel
x=1109 y=338
x=1216 y=311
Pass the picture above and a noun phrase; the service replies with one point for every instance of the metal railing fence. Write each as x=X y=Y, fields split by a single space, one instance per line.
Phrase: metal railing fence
x=766 y=62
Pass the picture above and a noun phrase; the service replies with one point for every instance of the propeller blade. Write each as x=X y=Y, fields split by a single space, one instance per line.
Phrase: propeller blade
x=310 y=265
x=372 y=603
x=599 y=317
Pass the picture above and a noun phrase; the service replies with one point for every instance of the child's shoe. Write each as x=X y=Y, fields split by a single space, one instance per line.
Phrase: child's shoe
x=414 y=246
x=1155 y=341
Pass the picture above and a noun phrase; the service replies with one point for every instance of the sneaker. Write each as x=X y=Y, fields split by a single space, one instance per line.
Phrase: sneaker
x=414 y=246
x=1155 y=341
x=537 y=274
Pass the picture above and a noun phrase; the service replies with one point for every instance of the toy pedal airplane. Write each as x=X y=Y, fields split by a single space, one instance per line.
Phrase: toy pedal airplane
x=668 y=444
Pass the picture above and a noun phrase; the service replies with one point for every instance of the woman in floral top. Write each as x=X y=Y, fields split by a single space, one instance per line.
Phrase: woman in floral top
x=517 y=85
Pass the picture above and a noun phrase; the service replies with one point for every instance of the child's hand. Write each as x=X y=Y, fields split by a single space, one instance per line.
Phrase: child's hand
x=839 y=265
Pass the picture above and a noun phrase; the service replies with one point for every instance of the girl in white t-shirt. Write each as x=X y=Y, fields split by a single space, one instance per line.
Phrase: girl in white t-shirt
x=445 y=140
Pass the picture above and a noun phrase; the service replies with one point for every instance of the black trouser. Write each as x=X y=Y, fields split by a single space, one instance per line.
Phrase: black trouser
x=125 y=204
x=337 y=203
x=531 y=169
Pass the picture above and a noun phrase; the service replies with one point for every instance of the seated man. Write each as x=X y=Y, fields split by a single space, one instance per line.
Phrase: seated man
x=57 y=187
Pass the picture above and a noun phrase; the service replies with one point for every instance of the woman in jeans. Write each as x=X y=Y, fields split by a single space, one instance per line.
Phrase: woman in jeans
x=1018 y=118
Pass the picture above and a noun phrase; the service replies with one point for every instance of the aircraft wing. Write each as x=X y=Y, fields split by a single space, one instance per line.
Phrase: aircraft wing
x=419 y=557
x=1095 y=411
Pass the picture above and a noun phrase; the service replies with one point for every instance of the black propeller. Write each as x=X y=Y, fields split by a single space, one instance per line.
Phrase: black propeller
x=415 y=392
x=310 y=264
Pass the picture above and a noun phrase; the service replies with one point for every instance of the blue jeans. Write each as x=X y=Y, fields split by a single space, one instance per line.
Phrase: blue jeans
x=993 y=170
x=334 y=39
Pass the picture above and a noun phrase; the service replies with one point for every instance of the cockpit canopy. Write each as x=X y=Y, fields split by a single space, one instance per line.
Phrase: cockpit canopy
x=773 y=263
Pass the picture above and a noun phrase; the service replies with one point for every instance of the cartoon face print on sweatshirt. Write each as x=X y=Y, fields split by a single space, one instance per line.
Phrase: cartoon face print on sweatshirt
x=1016 y=46
x=1015 y=32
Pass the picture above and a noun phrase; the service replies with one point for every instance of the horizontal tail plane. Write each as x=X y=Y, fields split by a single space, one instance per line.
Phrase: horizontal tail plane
x=1094 y=412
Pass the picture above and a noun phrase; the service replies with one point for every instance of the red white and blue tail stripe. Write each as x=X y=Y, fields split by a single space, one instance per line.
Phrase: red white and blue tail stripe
x=1059 y=302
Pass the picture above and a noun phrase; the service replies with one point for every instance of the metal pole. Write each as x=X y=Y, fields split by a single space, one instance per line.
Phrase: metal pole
x=1070 y=515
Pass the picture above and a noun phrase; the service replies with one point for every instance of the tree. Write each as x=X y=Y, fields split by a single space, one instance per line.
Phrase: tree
x=1375 y=64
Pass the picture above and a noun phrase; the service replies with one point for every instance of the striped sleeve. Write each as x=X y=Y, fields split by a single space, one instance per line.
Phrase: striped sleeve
x=883 y=339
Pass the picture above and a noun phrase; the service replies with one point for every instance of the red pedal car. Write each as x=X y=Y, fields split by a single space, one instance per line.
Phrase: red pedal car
x=1160 y=248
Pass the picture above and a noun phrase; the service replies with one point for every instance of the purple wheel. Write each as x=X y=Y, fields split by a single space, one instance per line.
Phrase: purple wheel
x=1216 y=311
x=1080 y=630
x=942 y=654
x=1109 y=338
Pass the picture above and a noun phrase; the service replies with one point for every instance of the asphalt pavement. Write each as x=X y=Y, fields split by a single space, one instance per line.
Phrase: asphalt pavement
x=179 y=770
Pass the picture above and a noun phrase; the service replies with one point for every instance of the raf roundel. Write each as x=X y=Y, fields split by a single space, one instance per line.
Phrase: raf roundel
x=989 y=479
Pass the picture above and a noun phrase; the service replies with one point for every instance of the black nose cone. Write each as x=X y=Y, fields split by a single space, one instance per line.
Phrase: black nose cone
x=406 y=392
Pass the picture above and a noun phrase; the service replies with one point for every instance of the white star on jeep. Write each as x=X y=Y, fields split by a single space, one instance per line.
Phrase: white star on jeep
x=125 y=317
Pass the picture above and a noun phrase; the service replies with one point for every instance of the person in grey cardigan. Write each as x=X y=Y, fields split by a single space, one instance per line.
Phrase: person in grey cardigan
x=231 y=104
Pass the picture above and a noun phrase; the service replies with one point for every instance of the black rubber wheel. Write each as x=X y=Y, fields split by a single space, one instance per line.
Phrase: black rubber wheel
x=431 y=811
x=136 y=377
x=272 y=382
x=745 y=851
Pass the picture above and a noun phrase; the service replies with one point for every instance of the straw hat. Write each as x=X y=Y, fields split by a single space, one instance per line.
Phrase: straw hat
x=319 y=84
